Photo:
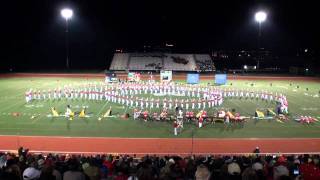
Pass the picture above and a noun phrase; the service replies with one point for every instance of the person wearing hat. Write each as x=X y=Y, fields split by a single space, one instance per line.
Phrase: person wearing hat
x=31 y=173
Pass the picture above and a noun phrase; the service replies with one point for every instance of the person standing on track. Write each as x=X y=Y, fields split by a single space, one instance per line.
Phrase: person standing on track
x=175 y=128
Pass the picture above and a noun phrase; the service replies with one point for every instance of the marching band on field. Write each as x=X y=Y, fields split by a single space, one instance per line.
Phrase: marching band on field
x=190 y=96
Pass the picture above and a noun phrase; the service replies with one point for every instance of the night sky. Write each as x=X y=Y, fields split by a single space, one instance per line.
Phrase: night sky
x=33 y=32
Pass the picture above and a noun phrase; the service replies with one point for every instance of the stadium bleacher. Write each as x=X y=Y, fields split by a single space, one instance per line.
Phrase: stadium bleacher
x=145 y=61
x=204 y=62
x=161 y=61
x=27 y=166
x=179 y=62
x=120 y=61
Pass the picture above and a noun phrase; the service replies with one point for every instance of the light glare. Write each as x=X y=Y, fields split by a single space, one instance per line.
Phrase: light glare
x=66 y=13
x=260 y=16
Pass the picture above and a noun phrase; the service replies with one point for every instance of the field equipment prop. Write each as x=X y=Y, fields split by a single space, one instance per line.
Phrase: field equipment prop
x=136 y=114
x=237 y=118
x=269 y=114
x=69 y=113
x=221 y=79
x=190 y=116
x=193 y=78
x=306 y=119
x=108 y=113
x=54 y=112
x=134 y=77
x=259 y=115
x=202 y=117
x=222 y=116
x=111 y=77
x=219 y=116
x=83 y=114
x=164 y=115
x=165 y=76
x=145 y=115
x=155 y=116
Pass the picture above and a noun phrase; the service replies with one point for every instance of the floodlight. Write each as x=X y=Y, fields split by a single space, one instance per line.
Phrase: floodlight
x=260 y=16
x=66 y=13
x=245 y=67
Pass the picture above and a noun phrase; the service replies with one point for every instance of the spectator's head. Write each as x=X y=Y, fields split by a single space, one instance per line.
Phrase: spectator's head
x=3 y=160
x=296 y=161
x=73 y=164
x=41 y=163
x=249 y=174
x=281 y=159
x=10 y=162
x=234 y=169
x=202 y=172
x=46 y=172
x=279 y=171
x=14 y=171
x=31 y=174
x=257 y=166
x=171 y=161
x=316 y=161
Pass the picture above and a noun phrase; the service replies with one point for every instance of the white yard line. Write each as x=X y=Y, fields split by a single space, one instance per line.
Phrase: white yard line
x=102 y=108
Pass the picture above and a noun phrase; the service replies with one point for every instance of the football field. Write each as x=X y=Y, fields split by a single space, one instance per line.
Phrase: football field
x=20 y=118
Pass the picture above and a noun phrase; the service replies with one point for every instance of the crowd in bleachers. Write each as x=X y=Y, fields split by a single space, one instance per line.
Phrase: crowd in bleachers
x=204 y=62
x=29 y=166
x=204 y=66
x=158 y=61
x=154 y=65
x=144 y=63
x=179 y=60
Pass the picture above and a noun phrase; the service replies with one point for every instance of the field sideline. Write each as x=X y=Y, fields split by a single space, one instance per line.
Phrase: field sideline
x=280 y=140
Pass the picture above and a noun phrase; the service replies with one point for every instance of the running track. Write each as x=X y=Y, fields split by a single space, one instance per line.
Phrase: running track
x=182 y=146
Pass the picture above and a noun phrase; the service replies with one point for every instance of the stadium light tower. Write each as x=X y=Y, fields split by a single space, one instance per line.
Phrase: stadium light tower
x=67 y=13
x=260 y=17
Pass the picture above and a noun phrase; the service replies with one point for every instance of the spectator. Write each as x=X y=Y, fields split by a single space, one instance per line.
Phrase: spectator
x=202 y=172
x=73 y=173
x=47 y=173
x=31 y=173
x=256 y=150
x=308 y=169
x=249 y=174
x=280 y=171
x=234 y=169
x=26 y=166
x=91 y=170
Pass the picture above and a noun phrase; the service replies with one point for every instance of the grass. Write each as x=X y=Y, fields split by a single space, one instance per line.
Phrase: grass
x=301 y=102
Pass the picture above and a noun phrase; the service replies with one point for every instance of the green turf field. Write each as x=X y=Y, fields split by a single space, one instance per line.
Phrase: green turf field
x=12 y=100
